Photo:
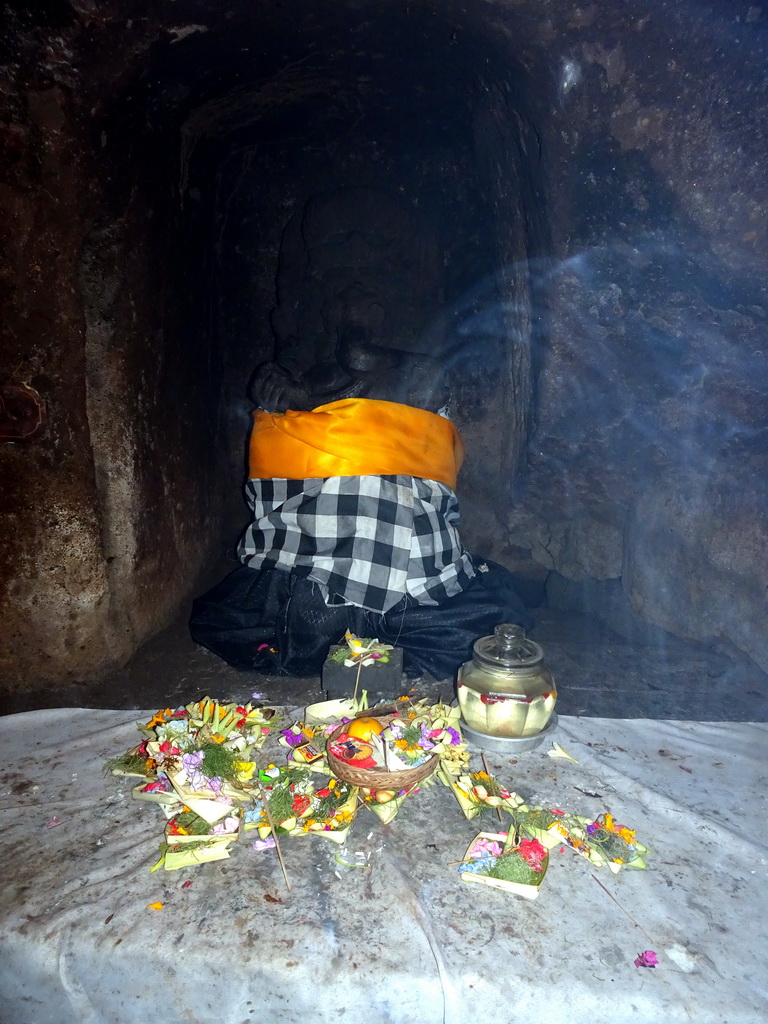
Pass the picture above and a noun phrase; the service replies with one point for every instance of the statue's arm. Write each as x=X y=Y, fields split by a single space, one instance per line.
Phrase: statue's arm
x=274 y=388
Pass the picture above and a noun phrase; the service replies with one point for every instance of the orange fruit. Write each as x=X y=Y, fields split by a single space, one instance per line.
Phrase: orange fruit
x=364 y=728
x=362 y=753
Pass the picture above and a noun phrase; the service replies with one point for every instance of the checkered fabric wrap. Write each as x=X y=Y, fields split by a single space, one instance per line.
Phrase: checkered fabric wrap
x=366 y=540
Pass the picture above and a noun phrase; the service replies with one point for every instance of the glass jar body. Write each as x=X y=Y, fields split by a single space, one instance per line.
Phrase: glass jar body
x=506 y=702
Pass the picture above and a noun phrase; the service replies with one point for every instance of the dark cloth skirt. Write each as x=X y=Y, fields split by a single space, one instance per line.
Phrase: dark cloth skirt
x=275 y=622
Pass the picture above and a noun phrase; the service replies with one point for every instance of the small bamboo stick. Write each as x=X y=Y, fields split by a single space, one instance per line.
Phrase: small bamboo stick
x=488 y=773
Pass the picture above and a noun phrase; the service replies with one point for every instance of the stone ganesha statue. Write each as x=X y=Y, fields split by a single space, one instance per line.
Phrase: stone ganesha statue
x=353 y=462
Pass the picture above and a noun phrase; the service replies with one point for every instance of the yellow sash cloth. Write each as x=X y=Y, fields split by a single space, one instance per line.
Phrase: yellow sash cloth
x=355 y=437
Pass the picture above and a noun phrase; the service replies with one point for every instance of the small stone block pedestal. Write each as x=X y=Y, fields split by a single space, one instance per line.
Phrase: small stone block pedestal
x=380 y=680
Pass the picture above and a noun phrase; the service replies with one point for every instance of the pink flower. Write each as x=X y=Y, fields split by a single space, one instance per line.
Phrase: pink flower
x=647 y=959
x=225 y=827
x=486 y=847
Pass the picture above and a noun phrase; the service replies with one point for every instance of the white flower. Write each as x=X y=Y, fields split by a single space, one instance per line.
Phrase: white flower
x=557 y=751
x=176 y=731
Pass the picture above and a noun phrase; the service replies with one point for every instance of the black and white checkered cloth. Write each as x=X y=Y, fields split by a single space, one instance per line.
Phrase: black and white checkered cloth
x=366 y=540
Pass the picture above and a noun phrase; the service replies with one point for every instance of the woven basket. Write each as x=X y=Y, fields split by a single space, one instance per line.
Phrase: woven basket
x=377 y=778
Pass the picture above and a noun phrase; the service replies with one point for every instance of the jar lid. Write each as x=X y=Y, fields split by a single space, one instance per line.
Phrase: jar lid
x=508 y=648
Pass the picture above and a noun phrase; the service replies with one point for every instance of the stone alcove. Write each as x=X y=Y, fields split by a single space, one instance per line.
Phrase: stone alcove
x=594 y=177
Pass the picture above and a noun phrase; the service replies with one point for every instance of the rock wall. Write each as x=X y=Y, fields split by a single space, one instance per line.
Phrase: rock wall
x=648 y=462
x=107 y=512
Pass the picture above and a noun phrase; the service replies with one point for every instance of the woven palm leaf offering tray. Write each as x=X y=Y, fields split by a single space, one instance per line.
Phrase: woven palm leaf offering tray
x=205 y=767
x=387 y=752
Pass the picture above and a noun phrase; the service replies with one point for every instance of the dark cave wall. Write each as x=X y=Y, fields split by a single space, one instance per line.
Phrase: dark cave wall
x=53 y=574
x=108 y=514
x=614 y=156
x=152 y=393
x=647 y=469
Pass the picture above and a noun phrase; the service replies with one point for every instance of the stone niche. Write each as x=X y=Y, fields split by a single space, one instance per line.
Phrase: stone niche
x=591 y=181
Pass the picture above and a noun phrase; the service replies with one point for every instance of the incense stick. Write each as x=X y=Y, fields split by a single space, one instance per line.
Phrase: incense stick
x=265 y=802
x=357 y=680
x=15 y=370
x=634 y=922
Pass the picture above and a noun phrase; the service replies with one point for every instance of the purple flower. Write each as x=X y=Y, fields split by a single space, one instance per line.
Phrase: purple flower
x=293 y=739
x=215 y=784
x=425 y=742
x=455 y=738
x=264 y=844
x=191 y=763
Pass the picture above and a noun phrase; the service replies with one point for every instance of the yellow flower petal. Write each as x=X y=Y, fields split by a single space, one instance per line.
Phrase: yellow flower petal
x=155 y=906
x=159 y=717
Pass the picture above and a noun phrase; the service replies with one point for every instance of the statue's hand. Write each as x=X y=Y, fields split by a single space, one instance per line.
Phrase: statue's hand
x=274 y=389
